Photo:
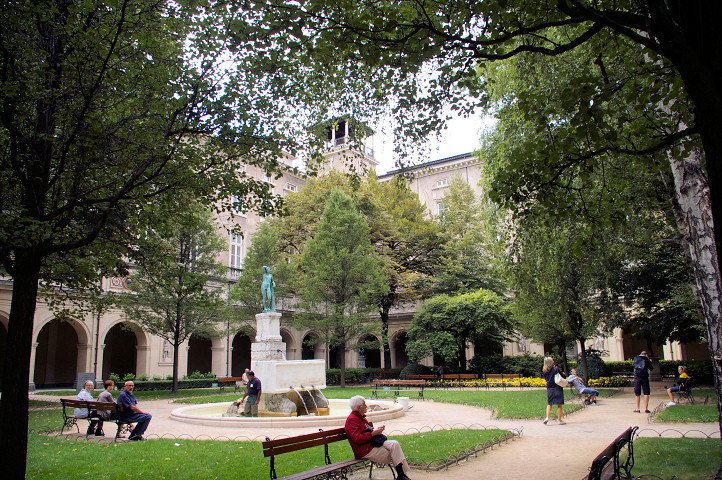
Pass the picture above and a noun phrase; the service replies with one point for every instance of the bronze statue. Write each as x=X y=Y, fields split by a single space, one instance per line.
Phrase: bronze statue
x=267 y=290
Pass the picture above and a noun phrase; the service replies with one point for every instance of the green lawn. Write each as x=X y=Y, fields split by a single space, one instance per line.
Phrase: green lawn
x=689 y=413
x=49 y=457
x=687 y=458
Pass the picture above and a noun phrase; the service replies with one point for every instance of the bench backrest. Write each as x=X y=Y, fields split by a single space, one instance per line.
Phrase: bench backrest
x=612 y=453
x=229 y=379
x=300 y=442
x=72 y=403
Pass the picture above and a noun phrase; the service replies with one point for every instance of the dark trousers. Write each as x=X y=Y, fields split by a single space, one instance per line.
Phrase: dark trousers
x=141 y=421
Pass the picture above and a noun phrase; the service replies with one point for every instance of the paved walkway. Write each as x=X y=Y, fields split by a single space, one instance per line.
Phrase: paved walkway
x=537 y=454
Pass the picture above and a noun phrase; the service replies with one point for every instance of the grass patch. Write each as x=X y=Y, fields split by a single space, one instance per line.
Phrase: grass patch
x=49 y=457
x=687 y=458
x=690 y=413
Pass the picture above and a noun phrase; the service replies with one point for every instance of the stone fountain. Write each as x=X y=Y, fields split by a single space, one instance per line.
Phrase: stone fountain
x=290 y=387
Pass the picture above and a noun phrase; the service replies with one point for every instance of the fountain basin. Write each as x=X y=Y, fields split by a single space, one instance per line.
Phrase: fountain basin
x=210 y=414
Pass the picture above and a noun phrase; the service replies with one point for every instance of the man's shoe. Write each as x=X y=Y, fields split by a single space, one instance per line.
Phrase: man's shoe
x=594 y=402
x=546 y=420
x=647 y=411
x=671 y=404
x=99 y=433
x=562 y=422
x=636 y=411
x=90 y=431
x=136 y=438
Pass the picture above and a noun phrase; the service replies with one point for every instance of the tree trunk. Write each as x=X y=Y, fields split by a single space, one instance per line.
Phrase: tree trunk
x=697 y=228
x=583 y=354
x=384 y=314
x=16 y=372
x=174 y=389
x=562 y=346
x=341 y=356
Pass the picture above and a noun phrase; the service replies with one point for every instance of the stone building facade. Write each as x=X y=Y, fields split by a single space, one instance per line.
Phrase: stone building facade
x=110 y=343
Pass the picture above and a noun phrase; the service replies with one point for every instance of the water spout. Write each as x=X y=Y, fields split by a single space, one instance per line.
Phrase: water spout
x=302 y=400
x=315 y=405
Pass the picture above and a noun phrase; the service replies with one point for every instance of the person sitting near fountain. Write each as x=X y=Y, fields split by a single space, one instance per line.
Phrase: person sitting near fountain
x=131 y=413
x=253 y=393
x=359 y=432
x=244 y=377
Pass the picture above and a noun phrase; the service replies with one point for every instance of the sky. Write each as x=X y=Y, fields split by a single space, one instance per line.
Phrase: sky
x=463 y=135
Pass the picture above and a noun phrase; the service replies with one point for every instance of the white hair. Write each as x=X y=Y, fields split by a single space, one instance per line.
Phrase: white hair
x=355 y=402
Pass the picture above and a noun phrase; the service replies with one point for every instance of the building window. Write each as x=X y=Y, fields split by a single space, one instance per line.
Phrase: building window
x=236 y=206
x=291 y=187
x=442 y=183
x=236 y=254
x=440 y=208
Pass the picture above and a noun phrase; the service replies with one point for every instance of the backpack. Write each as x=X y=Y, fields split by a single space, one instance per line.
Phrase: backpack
x=640 y=366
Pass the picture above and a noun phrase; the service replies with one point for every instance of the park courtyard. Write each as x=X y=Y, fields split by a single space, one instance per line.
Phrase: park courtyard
x=537 y=452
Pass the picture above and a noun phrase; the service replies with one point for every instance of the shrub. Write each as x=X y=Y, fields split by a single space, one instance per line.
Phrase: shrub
x=596 y=367
x=128 y=377
x=414 y=369
x=168 y=384
x=526 y=365
x=197 y=374
x=157 y=378
x=143 y=377
x=115 y=378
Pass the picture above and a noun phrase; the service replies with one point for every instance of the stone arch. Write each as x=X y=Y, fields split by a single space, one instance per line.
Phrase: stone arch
x=200 y=355
x=287 y=338
x=371 y=356
x=61 y=351
x=124 y=348
x=399 y=358
x=241 y=352
x=312 y=350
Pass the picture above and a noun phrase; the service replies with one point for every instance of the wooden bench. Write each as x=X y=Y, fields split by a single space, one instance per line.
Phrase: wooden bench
x=70 y=420
x=339 y=470
x=394 y=386
x=602 y=469
x=574 y=394
x=237 y=382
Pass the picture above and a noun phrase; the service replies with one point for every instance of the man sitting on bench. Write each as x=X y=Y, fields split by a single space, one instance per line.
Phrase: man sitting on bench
x=359 y=432
x=579 y=385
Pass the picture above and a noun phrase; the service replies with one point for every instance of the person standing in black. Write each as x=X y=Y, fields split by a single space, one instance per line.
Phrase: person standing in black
x=642 y=367
x=555 y=393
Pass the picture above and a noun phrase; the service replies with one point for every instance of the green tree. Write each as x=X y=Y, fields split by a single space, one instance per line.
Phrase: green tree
x=178 y=287
x=466 y=264
x=446 y=323
x=340 y=279
x=104 y=106
x=655 y=298
x=408 y=243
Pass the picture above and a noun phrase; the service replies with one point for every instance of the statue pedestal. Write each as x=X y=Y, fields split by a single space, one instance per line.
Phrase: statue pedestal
x=282 y=381
x=268 y=327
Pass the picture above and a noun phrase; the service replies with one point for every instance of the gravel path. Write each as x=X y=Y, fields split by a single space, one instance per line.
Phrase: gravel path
x=536 y=454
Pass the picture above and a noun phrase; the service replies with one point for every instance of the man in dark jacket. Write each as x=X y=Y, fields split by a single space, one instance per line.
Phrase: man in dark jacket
x=642 y=367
